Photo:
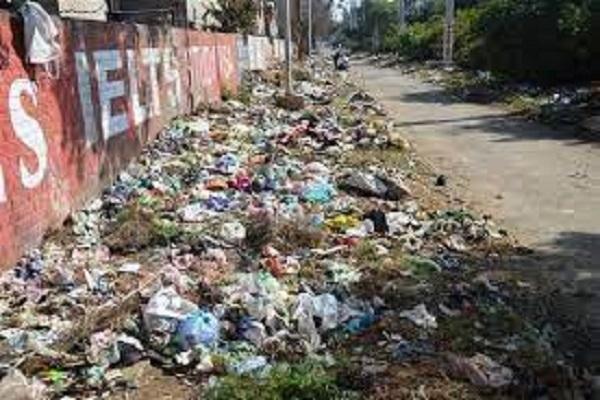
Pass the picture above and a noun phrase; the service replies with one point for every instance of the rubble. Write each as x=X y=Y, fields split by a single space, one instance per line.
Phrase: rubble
x=481 y=370
x=420 y=317
x=241 y=239
x=15 y=386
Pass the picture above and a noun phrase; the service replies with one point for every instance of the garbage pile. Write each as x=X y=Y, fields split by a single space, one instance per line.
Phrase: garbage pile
x=563 y=105
x=246 y=236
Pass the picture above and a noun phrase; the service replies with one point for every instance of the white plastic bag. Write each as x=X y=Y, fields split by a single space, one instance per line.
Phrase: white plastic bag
x=166 y=309
x=41 y=37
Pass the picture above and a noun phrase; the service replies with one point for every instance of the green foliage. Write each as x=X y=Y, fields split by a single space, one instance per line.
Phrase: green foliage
x=420 y=41
x=245 y=95
x=136 y=227
x=546 y=41
x=366 y=252
x=235 y=15
x=164 y=231
x=466 y=36
x=226 y=93
x=306 y=381
x=539 y=40
x=374 y=19
x=421 y=268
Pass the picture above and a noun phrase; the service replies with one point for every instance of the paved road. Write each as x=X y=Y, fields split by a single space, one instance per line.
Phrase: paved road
x=540 y=183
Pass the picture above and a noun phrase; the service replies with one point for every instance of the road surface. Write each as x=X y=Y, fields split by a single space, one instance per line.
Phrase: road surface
x=542 y=184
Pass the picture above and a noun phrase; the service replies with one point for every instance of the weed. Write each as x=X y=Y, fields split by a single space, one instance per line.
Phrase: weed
x=524 y=105
x=421 y=268
x=164 y=231
x=259 y=233
x=150 y=202
x=305 y=381
x=299 y=234
x=301 y=74
x=226 y=93
x=290 y=102
x=456 y=334
x=137 y=227
x=310 y=271
x=245 y=95
x=366 y=252
x=388 y=158
x=131 y=230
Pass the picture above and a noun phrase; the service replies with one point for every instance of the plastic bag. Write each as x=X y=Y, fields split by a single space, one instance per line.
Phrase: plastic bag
x=166 y=309
x=233 y=231
x=481 y=370
x=16 y=386
x=248 y=365
x=254 y=332
x=198 y=328
x=304 y=314
x=420 y=317
x=365 y=184
x=41 y=36
x=324 y=307
x=319 y=192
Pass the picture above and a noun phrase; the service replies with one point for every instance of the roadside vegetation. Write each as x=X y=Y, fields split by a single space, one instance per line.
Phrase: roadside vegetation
x=543 y=41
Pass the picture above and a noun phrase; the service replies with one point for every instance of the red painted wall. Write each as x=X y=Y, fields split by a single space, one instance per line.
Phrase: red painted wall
x=62 y=140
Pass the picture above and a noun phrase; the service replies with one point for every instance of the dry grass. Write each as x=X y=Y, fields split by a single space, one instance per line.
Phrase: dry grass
x=388 y=158
x=424 y=381
x=293 y=235
x=137 y=228
x=290 y=102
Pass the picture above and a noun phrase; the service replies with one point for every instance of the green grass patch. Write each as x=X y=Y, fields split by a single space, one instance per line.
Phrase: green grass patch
x=525 y=105
x=137 y=227
x=420 y=267
x=305 y=381
x=366 y=252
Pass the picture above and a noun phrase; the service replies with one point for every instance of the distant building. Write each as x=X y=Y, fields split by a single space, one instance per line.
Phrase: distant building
x=83 y=9
x=184 y=13
x=149 y=11
x=88 y=9
x=188 y=13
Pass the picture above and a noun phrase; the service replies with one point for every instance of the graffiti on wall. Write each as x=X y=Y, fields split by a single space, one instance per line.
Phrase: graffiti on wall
x=62 y=139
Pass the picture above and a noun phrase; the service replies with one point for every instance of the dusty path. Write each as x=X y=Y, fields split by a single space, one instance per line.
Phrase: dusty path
x=542 y=184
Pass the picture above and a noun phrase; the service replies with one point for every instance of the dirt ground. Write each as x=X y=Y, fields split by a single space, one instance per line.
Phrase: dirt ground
x=152 y=383
x=541 y=184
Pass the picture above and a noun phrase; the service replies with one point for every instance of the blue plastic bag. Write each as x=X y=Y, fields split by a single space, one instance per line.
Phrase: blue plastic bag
x=319 y=192
x=199 y=328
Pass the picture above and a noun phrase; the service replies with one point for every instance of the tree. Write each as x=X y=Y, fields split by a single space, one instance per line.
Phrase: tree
x=235 y=15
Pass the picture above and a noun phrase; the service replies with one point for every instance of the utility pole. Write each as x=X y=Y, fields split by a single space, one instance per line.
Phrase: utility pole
x=288 y=47
x=449 y=33
x=376 y=35
x=310 y=28
x=402 y=14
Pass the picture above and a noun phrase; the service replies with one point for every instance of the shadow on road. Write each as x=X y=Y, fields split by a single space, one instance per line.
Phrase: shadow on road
x=513 y=126
x=586 y=245
x=439 y=121
x=569 y=270
x=433 y=96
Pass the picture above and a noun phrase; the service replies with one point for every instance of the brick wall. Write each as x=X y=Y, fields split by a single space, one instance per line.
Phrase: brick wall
x=62 y=140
